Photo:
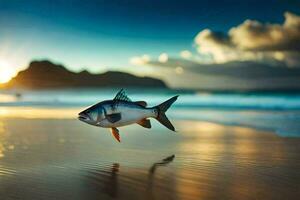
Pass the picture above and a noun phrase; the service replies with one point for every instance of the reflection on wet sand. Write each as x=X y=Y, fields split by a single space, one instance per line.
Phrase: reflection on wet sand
x=64 y=159
x=151 y=175
x=105 y=180
x=108 y=181
x=164 y=162
x=38 y=113
x=237 y=163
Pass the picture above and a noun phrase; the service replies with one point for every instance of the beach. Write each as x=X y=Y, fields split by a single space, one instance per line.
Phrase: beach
x=226 y=146
x=66 y=159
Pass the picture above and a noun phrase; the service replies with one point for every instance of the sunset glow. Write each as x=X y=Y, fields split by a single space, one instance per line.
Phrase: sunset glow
x=6 y=71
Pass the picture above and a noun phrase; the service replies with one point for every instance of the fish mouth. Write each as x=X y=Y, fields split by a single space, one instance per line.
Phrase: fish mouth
x=82 y=117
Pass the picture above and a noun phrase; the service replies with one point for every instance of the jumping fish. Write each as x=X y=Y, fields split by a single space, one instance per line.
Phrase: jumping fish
x=121 y=111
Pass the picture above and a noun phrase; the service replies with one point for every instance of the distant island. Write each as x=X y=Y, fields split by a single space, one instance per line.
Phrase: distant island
x=46 y=75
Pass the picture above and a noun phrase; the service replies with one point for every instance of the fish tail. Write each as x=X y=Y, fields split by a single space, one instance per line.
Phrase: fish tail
x=161 y=112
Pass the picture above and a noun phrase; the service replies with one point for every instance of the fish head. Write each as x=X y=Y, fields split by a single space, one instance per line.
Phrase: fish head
x=92 y=115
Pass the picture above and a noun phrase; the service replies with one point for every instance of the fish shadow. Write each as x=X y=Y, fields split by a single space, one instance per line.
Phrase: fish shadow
x=107 y=181
x=163 y=162
x=151 y=174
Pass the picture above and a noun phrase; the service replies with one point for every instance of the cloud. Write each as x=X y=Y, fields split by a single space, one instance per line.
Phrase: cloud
x=255 y=36
x=266 y=43
x=252 y=55
x=163 y=58
x=240 y=75
x=253 y=40
x=140 y=60
x=185 y=54
x=145 y=59
x=216 y=44
x=233 y=69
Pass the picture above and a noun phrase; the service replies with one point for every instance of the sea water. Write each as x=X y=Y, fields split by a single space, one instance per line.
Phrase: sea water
x=278 y=112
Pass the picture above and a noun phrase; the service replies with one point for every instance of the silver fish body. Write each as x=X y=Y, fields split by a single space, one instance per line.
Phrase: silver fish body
x=121 y=111
x=130 y=113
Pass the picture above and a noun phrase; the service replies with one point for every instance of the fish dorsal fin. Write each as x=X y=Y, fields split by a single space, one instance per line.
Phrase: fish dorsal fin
x=121 y=96
x=145 y=123
x=141 y=103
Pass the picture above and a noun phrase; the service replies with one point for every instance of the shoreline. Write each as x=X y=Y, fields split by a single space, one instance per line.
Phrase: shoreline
x=280 y=123
x=59 y=115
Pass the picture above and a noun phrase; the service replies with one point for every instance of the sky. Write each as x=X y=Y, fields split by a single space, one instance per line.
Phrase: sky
x=126 y=35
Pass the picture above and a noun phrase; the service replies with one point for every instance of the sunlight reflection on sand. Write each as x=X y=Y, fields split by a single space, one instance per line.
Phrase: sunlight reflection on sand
x=39 y=113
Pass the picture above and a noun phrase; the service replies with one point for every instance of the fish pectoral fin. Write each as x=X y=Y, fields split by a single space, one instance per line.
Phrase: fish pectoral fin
x=112 y=118
x=115 y=133
x=145 y=123
x=141 y=103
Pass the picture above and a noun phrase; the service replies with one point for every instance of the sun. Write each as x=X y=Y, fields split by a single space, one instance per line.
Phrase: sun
x=6 y=71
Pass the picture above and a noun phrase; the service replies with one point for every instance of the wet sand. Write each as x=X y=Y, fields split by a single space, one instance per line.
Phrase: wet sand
x=66 y=159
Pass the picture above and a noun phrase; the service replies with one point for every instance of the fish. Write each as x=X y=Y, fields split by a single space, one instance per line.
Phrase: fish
x=122 y=111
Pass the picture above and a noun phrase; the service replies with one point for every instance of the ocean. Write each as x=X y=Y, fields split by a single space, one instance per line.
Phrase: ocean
x=277 y=112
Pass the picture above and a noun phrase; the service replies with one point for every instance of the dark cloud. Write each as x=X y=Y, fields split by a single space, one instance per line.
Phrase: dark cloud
x=233 y=69
x=238 y=75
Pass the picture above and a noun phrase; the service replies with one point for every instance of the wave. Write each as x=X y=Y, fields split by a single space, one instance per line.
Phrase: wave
x=283 y=123
x=216 y=101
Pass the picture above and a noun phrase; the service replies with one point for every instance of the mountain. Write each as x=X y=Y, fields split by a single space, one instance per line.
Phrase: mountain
x=45 y=74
